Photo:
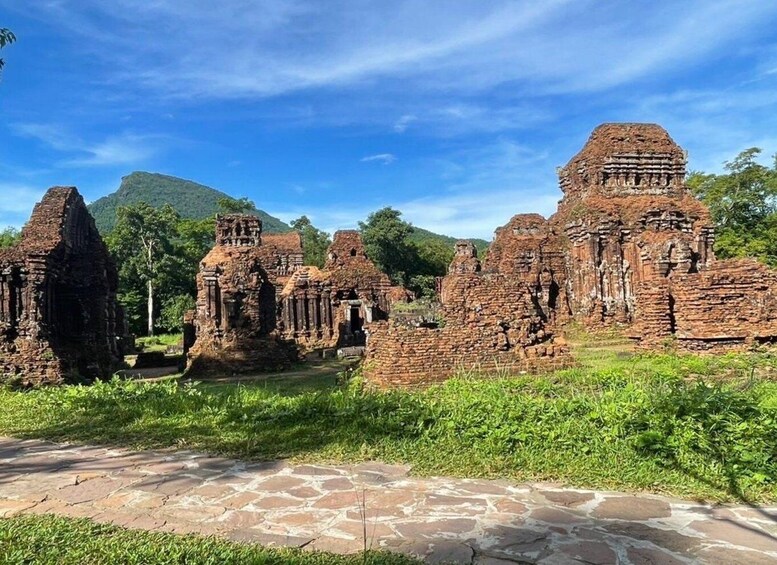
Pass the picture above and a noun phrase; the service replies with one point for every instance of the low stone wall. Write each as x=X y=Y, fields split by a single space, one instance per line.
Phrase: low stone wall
x=491 y=323
x=398 y=356
x=729 y=307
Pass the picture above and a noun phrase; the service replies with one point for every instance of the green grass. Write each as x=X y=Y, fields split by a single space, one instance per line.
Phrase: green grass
x=67 y=541
x=698 y=427
x=159 y=342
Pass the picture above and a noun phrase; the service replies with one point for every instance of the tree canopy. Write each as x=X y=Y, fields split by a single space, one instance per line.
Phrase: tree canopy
x=388 y=240
x=6 y=38
x=9 y=236
x=229 y=205
x=314 y=241
x=144 y=245
x=743 y=204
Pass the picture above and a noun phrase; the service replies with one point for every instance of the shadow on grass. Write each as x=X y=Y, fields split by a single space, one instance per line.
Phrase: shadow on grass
x=239 y=421
x=716 y=426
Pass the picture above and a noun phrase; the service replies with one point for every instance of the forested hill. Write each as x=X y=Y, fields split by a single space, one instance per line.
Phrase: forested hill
x=190 y=199
x=420 y=235
x=197 y=201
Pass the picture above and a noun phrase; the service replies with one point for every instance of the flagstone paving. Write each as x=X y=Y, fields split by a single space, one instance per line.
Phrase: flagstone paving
x=347 y=507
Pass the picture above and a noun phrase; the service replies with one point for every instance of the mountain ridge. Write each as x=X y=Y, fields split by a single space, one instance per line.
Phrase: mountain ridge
x=190 y=199
x=194 y=200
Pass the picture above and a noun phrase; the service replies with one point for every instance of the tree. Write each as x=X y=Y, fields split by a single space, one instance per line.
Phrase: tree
x=433 y=259
x=386 y=240
x=229 y=205
x=9 y=237
x=143 y=244
x=314 y=241
x=6 y=38
x=743 y=204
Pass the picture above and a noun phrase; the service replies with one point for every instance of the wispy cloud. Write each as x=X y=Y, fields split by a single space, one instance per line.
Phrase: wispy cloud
x=402 y=123
x=273 y=47
x=476 y=191
x=384 y=158
x=16 y=202
x=123 y=149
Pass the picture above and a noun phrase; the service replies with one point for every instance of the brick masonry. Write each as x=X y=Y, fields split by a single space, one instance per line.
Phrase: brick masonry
x=629 y=245
x=59 y=319
x=259 y=308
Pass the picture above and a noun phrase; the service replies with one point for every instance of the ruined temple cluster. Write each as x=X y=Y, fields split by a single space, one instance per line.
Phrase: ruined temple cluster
x=259 y=307
x=629 y=245
x=59 y=319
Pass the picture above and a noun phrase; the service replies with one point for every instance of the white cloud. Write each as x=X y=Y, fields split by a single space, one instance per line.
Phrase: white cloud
x=385 y=158
x=123 y=149
x=265 y=48
x=476 y=192
x=401 y=124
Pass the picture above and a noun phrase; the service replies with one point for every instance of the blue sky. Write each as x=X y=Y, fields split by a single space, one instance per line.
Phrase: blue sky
x=456 y=113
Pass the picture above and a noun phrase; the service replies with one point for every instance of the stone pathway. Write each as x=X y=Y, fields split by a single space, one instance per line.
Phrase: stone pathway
x=322 y=507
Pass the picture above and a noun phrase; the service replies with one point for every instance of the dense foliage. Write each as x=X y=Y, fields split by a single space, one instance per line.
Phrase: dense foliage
x=9 y=237
x=6 y=38
x=743 y=203
x=421 y=235
x=143 y=244
x=691 y=426
x=66 y=541
x=314 y=241
x=411 y=257
x=190 y=199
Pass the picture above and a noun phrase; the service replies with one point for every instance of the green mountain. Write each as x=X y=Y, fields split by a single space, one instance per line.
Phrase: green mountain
x=420 y=235
x=190 y=199
x=197 y=201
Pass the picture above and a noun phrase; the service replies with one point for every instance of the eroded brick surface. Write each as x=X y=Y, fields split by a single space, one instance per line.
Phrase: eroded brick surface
x=58 y=312
x=259 y=307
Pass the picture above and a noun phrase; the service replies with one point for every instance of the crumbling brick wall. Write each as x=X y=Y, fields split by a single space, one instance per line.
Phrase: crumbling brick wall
x=465 y=259
x=491 y=322
x=528 y=248
x=730 y=306
x=59 y=319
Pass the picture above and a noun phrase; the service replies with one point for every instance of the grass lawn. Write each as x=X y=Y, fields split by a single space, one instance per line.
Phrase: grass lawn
x=67 y=541
x=697 y=427
x=159 y=342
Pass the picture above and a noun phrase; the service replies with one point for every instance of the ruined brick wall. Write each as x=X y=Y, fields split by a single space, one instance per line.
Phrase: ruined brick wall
x=281 y=255
x=465 y=259
x=59 y=319
x=732 y=305
x=491 y=323
x=307 y=313
x=236 y=319
x=529 y=248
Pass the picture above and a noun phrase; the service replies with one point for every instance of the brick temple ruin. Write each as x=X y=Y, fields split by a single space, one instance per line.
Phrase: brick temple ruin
x=629 y=245
x=59 y=319
x=260 y=308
